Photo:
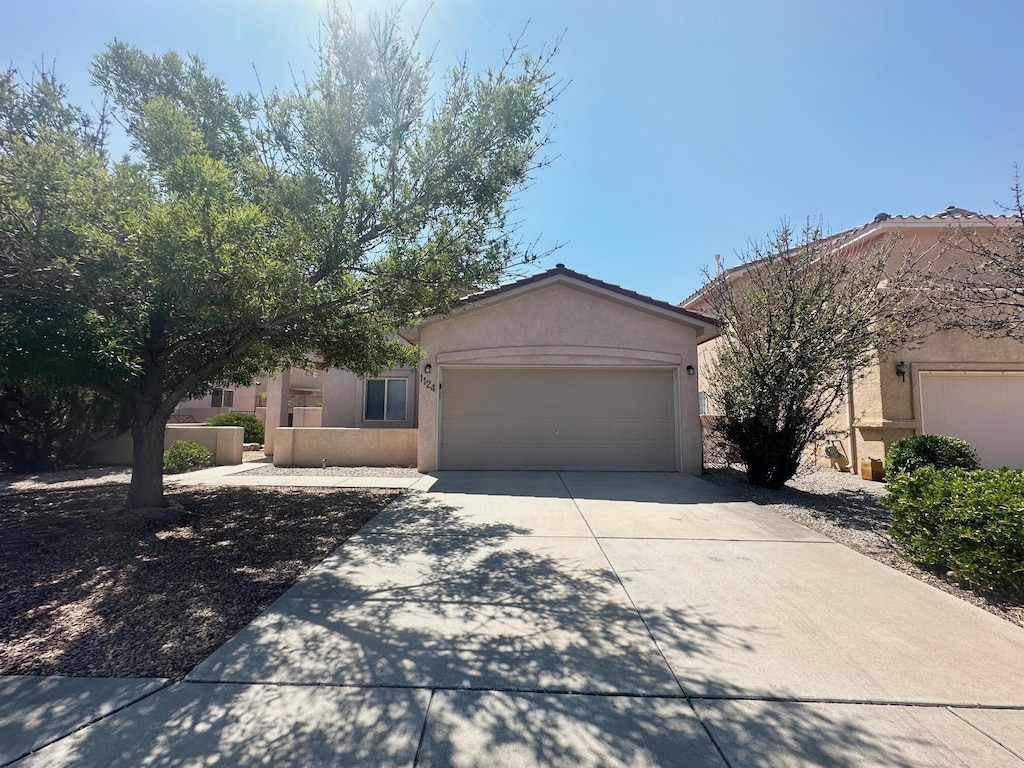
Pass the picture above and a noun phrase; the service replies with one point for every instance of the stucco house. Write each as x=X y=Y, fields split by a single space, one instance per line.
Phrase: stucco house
x=226 y=400
x=304 y=399
x=554 y=371
x=946 y=383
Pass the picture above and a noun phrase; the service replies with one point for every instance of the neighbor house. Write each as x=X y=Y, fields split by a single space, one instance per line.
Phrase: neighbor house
x=555 y=371
x=305 y=396
x=220 y=400
x=947 y=383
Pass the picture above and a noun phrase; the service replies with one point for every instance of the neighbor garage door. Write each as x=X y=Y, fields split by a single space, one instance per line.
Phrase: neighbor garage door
x=565 y=418
x=985 y=409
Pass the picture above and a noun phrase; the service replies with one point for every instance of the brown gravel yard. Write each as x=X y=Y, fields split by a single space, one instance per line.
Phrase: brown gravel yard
x=88 y=590
x=847 y=509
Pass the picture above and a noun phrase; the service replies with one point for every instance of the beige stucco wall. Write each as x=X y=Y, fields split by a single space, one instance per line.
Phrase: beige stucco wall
x=344 y=447
x=706 y=369
x=344 y=399
x=559 y=325
x=277 y=408
x=339 y=408
x=225 y=443
x=306 y=417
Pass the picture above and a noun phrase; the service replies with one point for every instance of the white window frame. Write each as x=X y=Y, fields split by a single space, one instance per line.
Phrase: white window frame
x=387 y=388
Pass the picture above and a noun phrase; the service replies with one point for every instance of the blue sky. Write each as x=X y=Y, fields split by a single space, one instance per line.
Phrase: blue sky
x=687 y=128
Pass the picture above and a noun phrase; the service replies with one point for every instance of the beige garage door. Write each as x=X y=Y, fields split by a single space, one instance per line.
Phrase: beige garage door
x=985 y=409
x=565 y=418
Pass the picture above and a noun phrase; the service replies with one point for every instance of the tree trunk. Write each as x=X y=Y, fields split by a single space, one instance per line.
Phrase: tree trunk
x=147 y=486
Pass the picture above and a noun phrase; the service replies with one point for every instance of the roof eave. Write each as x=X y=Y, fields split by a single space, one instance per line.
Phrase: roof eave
x=705 y=327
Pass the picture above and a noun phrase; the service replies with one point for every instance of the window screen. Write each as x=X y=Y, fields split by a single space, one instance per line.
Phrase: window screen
x=386 y=400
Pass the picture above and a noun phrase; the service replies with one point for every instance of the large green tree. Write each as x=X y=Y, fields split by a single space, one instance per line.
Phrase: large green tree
x=242 y=233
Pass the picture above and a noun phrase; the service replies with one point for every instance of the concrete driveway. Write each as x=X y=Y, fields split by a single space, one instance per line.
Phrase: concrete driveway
x=587 y=619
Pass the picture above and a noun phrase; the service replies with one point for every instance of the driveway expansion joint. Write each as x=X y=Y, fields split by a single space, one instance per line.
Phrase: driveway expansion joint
x=983 y=732
x=724 y=541
x=423 y=730
x=165 y=684
x=609 y=694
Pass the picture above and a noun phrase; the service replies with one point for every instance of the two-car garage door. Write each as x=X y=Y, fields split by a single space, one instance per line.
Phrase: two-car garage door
x=985 y=409
x=558 y=418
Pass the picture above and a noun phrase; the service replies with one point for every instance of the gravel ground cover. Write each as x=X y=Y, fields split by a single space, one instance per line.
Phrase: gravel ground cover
x=90 y=590
x=270 y=469
x=847 y=509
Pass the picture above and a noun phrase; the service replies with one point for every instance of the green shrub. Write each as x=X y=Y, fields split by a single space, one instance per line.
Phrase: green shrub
x=969 y=521
x=939 y=451
x=249 y=421
x=43 y=428
x=185 y=456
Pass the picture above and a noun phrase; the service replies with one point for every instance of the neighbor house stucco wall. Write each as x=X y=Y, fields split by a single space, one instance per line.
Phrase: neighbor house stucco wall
x=891 y=408
x=559 y=325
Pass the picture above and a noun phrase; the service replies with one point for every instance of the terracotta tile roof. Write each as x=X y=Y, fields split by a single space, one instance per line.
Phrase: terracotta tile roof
x=950 y=213
x=561 y=269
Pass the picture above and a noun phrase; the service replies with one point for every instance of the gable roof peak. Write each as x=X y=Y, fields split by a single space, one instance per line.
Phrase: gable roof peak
x=562 y=272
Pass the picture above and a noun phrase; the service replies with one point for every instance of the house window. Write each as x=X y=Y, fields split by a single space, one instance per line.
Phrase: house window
x=702 y=400
x=223 y=398
x=385 y=400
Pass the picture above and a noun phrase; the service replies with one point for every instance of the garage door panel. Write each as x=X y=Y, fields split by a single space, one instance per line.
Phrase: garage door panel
x=558 y=418
x=985 y=409
x=657 y=433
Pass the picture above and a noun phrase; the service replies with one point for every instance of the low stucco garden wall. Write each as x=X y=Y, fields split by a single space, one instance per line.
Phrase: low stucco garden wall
x=225 y=443
x=344 y=447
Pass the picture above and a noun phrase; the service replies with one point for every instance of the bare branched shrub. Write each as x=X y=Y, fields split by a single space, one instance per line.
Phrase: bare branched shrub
x=801 y=316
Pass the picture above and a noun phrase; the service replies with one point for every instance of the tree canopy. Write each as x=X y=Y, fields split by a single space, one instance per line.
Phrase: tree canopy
x=243 y=232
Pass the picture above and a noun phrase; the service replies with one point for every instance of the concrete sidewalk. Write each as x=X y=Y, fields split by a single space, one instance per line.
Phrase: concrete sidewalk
x=577 y=619
x=234 y=475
